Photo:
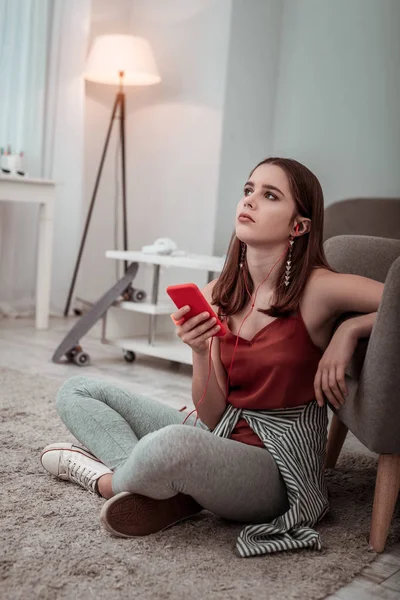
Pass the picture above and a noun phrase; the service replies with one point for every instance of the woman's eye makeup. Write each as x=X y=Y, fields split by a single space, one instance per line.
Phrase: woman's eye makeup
x=248 y=191
x=271 y=194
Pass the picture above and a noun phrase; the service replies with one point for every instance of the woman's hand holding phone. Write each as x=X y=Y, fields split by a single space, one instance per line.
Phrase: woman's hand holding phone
x=197 y=331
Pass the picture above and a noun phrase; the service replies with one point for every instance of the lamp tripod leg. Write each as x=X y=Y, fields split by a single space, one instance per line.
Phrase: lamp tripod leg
x=124 y=209
x=89 y=215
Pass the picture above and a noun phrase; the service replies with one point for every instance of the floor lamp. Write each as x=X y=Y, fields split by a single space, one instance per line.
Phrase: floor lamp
x=116 y=60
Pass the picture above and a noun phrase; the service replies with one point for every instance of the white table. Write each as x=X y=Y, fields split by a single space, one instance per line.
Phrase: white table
x=42 y=192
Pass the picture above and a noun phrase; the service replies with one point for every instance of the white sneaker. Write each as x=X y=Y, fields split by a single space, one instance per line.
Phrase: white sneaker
x=73 y=463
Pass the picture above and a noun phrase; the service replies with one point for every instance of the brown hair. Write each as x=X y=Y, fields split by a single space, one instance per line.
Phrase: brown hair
x=229 y=292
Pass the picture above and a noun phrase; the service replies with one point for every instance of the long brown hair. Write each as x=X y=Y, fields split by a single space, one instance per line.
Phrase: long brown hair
x=229 y=292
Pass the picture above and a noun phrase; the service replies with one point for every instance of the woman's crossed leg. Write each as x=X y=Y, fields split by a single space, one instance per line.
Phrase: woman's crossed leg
x=171 y=468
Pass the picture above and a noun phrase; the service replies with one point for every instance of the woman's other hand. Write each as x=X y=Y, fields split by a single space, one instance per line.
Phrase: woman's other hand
x=330 y=376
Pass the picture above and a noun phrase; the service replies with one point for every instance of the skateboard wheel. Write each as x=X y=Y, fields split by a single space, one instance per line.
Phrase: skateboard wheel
x=73 y=352
x=81 y=359
x=129 y=356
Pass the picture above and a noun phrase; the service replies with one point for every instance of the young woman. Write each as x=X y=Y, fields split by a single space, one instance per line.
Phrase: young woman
x=255 y=455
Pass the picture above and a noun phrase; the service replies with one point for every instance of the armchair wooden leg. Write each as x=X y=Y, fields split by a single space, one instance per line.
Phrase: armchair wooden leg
x=336 y=436
x=386 y=492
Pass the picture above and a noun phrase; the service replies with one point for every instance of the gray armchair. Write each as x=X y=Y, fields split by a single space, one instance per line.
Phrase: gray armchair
x=379 y=217
x=372 y=408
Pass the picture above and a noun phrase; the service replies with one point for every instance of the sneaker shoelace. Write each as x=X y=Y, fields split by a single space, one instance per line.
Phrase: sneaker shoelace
x=83 y=476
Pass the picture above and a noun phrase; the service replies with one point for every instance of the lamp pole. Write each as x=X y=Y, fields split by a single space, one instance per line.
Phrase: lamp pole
x=119 y=102
x=122 y=137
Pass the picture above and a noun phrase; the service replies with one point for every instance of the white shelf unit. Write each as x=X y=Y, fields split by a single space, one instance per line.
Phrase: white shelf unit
x=146 y=307
x=165 y=346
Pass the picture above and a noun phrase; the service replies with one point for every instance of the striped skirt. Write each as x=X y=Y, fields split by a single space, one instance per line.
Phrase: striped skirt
x=296 y=438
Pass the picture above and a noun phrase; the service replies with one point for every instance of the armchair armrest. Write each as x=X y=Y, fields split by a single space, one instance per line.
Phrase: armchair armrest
x=373 y=414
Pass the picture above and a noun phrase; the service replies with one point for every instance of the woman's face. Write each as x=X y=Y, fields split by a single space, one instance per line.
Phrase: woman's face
x=267 y=199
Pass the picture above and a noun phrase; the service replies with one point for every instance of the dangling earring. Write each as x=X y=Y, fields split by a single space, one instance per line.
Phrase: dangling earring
x=243 y=255
x=289 y=263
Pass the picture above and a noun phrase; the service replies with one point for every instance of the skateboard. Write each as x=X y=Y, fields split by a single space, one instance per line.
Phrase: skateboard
x=131 y=295
x=70 y=346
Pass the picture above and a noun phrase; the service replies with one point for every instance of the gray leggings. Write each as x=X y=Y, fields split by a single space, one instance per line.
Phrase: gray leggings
x=151 y=453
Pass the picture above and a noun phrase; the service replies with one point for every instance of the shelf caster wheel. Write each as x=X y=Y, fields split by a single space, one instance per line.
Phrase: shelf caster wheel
x=129 y=356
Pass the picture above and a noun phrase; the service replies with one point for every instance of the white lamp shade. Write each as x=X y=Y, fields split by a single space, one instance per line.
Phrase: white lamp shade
x=111 y=54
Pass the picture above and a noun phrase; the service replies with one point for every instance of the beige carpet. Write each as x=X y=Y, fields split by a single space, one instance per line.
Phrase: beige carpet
x=52 y=545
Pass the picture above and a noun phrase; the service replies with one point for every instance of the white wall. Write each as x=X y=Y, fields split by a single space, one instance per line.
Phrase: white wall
x=43 y=101
x=173 y=133
x=64 y=157
x=96 y=273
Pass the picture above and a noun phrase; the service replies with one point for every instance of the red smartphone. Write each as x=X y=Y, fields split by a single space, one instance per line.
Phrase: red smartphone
x=188 y=294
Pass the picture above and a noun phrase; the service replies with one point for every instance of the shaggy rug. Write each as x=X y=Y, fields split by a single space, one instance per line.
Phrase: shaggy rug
x=53 y=547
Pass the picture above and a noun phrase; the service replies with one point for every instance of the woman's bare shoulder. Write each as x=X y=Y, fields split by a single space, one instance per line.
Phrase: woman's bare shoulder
x=314 y=283
x=320 y=272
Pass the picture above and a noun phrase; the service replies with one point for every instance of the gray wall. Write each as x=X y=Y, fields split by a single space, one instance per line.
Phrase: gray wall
x=249 y=103
x=338 y=96
x=328 y=96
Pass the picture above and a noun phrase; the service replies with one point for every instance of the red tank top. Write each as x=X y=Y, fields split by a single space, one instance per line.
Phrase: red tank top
x=275 y=369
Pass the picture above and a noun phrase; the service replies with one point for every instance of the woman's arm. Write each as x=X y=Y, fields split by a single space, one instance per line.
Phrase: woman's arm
x=213 y=405
x=361 y=326
x=330 y=376
x=342 y=292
